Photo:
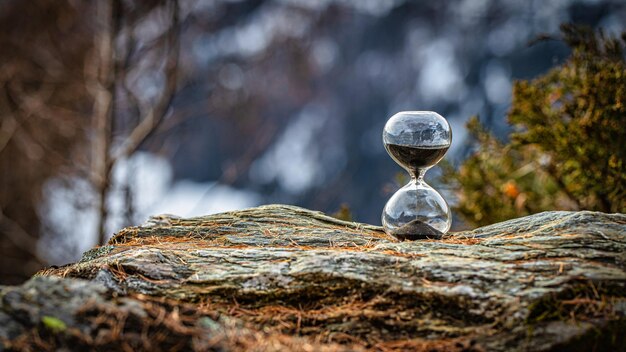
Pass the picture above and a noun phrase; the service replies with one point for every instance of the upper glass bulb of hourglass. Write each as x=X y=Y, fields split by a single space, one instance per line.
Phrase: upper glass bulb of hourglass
x=417 y=140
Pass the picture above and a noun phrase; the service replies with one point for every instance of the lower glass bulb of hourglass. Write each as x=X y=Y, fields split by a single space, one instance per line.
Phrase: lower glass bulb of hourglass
x=416 y=211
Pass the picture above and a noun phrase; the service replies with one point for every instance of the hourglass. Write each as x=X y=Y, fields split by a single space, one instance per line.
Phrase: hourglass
x=417 y=140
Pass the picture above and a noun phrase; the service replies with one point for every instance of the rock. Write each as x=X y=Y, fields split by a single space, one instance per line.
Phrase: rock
x=285 y=278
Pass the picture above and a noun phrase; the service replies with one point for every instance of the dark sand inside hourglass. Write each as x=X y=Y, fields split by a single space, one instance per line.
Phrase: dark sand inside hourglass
x=415 y=158
x=416 y=230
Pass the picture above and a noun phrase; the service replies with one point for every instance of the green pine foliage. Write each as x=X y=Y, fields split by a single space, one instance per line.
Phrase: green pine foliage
x=568 y=148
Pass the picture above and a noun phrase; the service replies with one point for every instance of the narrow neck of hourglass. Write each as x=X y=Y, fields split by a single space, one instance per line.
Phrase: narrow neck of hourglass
x=418 y=174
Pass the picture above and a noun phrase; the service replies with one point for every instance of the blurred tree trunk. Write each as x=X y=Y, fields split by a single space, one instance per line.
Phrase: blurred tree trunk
x=108 y=13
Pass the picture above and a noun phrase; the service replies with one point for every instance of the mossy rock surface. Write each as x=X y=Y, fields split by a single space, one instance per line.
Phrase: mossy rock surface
x=285 y=278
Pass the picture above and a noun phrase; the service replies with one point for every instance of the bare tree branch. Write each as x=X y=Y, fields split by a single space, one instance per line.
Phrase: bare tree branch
x=24 y=106
x=129 y=94
x=156 y=113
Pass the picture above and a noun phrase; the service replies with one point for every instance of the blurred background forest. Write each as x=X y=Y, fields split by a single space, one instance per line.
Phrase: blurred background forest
x=111 y=111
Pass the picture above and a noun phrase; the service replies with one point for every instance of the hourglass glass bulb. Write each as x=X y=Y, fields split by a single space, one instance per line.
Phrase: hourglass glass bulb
x=416 y=211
